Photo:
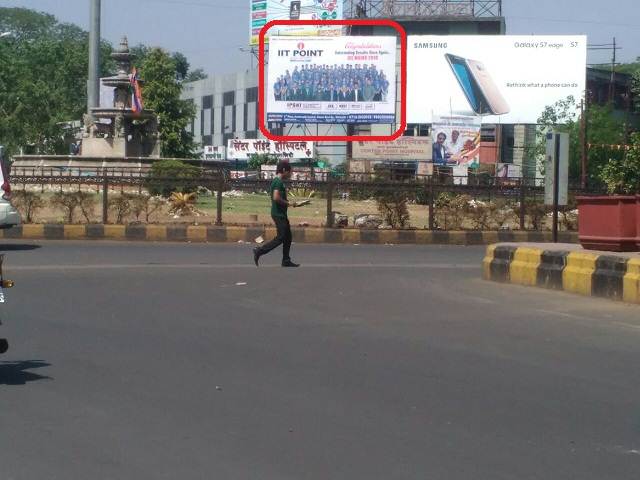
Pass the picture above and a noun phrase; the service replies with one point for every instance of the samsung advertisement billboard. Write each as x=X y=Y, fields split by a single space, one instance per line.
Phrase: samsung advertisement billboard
x=499 y=79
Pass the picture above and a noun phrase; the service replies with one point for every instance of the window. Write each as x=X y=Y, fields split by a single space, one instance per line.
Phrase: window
x=228 y=98
x=251 y=95
x=207 y=102
x=488 y=134
x=207 y=140
x=417 y=130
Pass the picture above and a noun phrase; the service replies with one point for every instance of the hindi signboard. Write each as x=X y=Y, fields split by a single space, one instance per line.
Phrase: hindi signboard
x=212 y=152
x=243 y=149
x=404 y=148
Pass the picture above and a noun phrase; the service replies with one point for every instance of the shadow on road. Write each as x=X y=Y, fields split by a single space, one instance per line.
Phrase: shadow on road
x=17 y=247
x=15 y=373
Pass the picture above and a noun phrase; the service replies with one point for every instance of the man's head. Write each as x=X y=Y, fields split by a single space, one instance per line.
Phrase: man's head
x=283 y=169
x=441 y=138
x=455 y=135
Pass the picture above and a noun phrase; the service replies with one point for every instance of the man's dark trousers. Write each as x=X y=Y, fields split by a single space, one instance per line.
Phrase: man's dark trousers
x=283 y=237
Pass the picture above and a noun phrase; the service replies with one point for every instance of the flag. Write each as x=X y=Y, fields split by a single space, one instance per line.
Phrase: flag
x=136 y=92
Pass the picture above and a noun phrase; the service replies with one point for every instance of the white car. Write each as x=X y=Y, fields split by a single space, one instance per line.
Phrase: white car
x=9 y=216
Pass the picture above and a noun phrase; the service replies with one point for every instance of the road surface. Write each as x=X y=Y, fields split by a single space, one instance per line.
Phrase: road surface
x=180 y=361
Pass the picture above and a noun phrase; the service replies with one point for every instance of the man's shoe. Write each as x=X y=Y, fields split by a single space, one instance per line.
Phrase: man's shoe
x=289 y=263
x=256 y=256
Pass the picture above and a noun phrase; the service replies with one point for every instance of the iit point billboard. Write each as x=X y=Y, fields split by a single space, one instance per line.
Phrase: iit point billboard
x=332 y=80
x=501 y=79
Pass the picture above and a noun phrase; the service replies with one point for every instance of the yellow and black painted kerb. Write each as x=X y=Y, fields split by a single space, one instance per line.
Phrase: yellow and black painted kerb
x=211 y=233
x=586 y=273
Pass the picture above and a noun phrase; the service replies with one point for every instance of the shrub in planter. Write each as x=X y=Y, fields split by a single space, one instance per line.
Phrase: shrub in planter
x=611 y=222
x=608 y=222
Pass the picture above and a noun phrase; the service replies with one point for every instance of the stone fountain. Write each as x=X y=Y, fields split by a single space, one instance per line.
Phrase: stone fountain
x=119 y=131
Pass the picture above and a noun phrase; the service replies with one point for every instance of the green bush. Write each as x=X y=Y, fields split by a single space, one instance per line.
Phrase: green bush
x=168 y=176
x=622 y=175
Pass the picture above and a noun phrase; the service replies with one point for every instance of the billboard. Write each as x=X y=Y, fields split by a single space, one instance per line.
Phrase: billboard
x=404 y=148
x=332 y=80
x=502 y=78
x=240 y=149
x=264 y=11
x=456 y=141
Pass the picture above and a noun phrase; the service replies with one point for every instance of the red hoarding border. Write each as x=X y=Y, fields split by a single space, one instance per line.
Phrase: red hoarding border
x=321 y=138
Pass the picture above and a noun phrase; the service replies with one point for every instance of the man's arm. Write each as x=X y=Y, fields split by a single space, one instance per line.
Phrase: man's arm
x=281 y=201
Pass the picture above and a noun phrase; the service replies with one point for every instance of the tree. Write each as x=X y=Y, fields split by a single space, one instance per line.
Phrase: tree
x=635 y=89
x=181 y=64
x=257 y=160
x=140 y=53
x=42 y=79
x=161 y=92
x=603 y=127
x=195 y=75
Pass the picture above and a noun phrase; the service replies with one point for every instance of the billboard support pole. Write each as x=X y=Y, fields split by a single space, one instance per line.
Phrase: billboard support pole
x=583 y=144
x=431 y=203
x=522 y=204
x=556 y=186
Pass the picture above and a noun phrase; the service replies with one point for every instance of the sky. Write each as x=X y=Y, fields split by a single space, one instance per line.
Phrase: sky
x=211 y=33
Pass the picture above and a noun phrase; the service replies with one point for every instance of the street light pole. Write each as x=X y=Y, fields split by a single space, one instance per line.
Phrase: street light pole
x=93 y=83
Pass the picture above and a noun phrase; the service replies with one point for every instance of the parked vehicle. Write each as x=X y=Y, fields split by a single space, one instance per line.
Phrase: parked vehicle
x=9 y=216
x=4 y=343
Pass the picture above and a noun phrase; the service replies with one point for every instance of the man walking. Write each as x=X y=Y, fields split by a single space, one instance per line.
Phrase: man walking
x=279 y=206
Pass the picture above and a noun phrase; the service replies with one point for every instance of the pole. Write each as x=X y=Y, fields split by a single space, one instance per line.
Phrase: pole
x=93 y=83
x=329 y=203
x=219 y=203
x=556 y=187
x=105 y=199
x=583 y=144
x=612 y=84
x=522 y=204
x=431 y=204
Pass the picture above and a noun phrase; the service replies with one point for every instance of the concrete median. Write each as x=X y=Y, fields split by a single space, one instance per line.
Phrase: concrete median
x=218 y=234
x=565 y=267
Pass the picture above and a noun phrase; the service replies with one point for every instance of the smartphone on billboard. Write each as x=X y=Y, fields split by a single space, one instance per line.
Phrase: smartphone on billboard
x=478 y=86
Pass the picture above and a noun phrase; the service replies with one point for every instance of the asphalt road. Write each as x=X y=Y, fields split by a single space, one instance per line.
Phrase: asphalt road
x=178 y=361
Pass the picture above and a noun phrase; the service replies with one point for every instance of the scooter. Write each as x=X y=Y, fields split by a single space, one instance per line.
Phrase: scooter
x=4 y=284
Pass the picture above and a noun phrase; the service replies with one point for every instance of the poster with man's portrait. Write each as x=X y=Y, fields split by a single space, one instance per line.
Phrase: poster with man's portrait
x=456 y=141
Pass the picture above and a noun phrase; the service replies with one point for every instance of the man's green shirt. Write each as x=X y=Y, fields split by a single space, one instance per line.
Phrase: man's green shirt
x=278 y=210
